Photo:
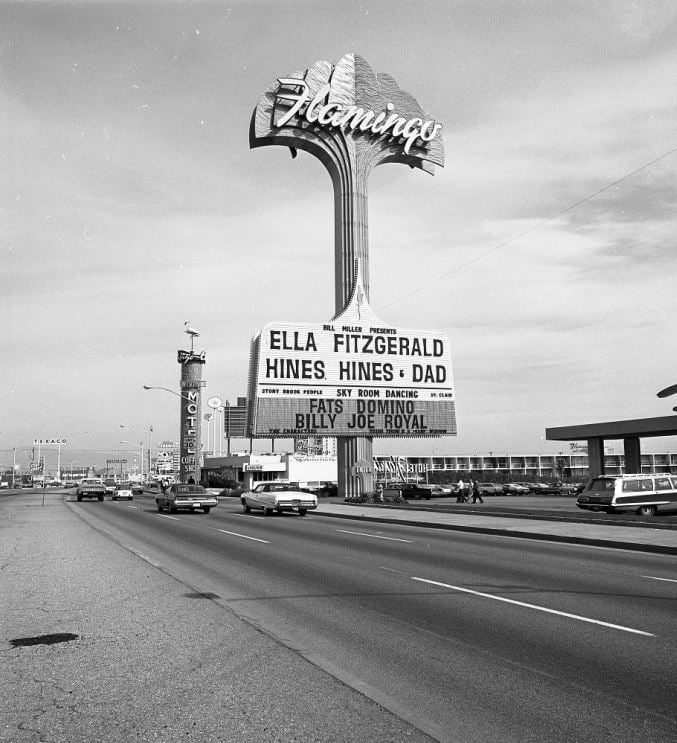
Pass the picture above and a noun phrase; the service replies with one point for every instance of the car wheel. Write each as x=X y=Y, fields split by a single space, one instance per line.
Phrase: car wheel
x=302 y=512
x=647 y=510
x=101 y=497
x=79 y=498
x=159 y=508
x=246 y=508
x=171 y=509
x=207 y=509
x=266 y=511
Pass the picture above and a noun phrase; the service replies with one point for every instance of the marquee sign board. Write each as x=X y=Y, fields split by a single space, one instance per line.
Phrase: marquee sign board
x=352 y=376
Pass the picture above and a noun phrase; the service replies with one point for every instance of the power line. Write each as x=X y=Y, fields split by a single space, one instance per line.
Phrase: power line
x=531 y=229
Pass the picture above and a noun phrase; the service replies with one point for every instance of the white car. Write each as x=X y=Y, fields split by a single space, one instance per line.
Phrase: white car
x=123 y=490
x=278 y=498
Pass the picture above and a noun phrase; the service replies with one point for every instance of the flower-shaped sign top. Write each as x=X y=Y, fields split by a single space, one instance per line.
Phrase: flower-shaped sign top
x=348 y=111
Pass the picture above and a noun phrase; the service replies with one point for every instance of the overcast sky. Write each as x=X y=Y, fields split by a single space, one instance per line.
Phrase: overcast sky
x=131 y=203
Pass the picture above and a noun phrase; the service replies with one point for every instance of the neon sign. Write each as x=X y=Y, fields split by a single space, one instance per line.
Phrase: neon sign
x=355 y=118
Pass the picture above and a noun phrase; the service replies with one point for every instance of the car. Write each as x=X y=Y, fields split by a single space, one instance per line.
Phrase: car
x=110 y=484
x=277 y=498
x=631 y=492
x=180 y=497
x=123 y=490
x=490 y=488
x=412 y=491
x=515 y=488
x=544 y=488
x=137 y=488
x=231 y=492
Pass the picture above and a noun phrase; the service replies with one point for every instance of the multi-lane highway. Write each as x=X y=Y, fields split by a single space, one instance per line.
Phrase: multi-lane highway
x=469 y=637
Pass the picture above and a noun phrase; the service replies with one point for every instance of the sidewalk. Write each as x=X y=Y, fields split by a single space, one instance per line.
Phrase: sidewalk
x=122 y=651
x=644 y=539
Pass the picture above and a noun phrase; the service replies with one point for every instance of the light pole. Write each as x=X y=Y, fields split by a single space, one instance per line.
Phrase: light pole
x=149 y=431
x=189 y=417
x=131 y=443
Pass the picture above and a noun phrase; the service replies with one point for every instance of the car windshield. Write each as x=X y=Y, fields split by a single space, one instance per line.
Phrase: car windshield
x=125 y=486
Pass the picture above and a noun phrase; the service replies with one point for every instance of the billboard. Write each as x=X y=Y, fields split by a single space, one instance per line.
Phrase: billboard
x=352 y=376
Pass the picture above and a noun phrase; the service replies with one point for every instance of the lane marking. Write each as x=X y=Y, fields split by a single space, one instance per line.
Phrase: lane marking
x=173 y=518
x=132 y=506
x=373 y=536
x=535 y=606
x=653 y=577
x=243 y=536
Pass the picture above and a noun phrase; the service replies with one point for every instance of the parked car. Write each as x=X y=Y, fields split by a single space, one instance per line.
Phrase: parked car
x=490 y=488
x=413 y=491
x=543 y=488
x=278 y=498
x=514 y=488
x=123 y=490
x=180 y=497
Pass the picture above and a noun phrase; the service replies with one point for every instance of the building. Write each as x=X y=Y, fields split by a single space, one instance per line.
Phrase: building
x=310 y=470
x=572 y=465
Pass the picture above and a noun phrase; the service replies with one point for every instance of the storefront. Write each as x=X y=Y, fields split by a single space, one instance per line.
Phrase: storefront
x=251 y=469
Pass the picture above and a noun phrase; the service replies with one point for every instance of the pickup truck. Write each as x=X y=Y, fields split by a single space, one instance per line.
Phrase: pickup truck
x=92 y=487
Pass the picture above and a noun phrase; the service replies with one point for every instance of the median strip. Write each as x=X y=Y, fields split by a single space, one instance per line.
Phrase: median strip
x=534 y=606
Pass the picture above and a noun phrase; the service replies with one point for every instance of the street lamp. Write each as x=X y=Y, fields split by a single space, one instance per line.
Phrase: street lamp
x=667 y=392
x=131 y=443
x=166 y=389
x=181 y=397
x=149 y=431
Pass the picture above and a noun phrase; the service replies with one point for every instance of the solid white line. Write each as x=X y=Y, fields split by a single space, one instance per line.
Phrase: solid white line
x=173 y=518
x=653 y=577
x=534 y=606
x=374 y=536
x=243 y=536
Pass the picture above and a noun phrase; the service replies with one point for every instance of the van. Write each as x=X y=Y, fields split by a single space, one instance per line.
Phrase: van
x=640 y=493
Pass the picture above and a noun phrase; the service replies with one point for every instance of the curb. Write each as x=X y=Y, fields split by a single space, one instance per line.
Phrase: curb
x=565 y=539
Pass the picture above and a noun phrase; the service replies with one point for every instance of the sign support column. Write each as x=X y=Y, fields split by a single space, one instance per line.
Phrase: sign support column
x=191 y=405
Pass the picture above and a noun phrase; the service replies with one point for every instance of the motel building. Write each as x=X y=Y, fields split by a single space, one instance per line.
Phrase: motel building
x=315 y=469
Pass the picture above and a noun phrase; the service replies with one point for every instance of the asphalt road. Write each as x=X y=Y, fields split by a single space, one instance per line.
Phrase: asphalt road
x=467 y=637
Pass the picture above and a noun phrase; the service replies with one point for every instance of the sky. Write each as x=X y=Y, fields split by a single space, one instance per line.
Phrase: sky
x=132 y=203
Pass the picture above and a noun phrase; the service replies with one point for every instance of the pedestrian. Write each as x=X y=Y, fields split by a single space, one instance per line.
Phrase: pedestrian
x=476 y=493
x=460 y=494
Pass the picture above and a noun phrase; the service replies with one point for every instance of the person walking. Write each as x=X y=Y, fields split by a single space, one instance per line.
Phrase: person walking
x=460 y=496
x=476 y=493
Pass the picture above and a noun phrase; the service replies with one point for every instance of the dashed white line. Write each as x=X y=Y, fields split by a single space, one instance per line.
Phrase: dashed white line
x=667 y=580
x=164 y=516
x=534 y=606
x=243 y=536
x=373 y=536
